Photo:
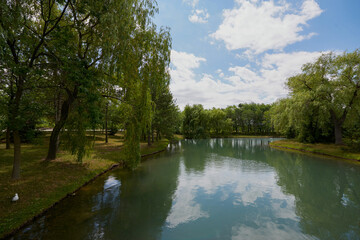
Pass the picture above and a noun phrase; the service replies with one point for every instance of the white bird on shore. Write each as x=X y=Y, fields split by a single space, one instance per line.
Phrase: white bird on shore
x=15 y=198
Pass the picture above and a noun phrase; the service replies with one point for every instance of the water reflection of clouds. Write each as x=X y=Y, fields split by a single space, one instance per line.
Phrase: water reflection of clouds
x=243 y=186
x=266 y=230
x=185 y=209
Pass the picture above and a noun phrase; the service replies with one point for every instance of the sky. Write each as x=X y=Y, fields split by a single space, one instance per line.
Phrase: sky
x=226 y=52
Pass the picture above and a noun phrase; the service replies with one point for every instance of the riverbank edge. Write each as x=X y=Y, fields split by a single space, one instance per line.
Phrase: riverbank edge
x=314 y=152
x=181 y=137
x=70 y=194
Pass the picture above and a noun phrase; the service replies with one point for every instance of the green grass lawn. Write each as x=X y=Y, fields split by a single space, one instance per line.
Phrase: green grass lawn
x=332 y=150
x=42 y=184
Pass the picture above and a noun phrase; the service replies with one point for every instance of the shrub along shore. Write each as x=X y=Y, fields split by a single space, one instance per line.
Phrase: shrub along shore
x=44 y=184
x=340 y=152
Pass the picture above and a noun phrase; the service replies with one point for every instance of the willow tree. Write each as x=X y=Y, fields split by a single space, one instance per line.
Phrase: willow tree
x=156 y=68
x=135 y=75
x=137 y=105
x=145 y=80
x=88 y=51
x=331 y=85
x=195 y=122
x=324 y=96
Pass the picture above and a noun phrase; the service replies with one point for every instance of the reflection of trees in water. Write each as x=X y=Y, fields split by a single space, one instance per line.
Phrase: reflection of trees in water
x=106 y=203
x=327 y=195
x=84 y=216
x=146 y=199
x=198 y=153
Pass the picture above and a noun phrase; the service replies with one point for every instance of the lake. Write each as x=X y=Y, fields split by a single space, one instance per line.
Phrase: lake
x=213 y=189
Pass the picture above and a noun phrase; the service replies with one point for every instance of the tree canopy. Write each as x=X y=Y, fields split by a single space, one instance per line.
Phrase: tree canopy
x=63 y=61
x=246 y=118
x=323 y=99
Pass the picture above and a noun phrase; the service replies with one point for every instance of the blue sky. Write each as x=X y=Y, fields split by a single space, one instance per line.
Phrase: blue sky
x=226 y=52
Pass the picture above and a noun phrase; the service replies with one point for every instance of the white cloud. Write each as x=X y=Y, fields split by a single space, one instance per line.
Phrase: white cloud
x=263 y=84
x=192 y=3
x=220 y=73
x=199 y=16
x=265 y=25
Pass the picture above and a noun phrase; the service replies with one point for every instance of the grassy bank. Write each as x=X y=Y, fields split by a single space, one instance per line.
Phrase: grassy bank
x=330 y=150
x=43 y=184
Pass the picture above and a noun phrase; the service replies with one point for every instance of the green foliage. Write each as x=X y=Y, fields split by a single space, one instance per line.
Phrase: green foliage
x=132 y=140
x=248 y=118
x=219 y=123
x=195 y=122
x=57 y=59
x=74 y=137
x=166 y=119
x=132 y=144
x=323 y=100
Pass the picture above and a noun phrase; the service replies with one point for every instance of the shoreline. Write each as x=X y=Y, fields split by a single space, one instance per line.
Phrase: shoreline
x=302 y=148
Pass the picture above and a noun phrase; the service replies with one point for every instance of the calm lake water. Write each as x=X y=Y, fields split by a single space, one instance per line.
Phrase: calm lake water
x=213 y=189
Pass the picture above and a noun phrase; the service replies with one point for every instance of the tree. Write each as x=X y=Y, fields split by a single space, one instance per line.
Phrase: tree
x=195 y=122
x=230 y=112
x=26 y=27
x=216 y=120
x=166 y=115
x=85 y=51
x=146 y=62
x=329 y=88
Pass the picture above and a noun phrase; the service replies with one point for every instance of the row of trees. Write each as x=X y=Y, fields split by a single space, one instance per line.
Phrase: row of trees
x=323 y=106
x=324 y=101
x=67 y=61
x=248 y=118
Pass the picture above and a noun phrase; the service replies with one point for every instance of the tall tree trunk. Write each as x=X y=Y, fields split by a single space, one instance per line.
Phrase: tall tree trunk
x=8 y=137
x=15 y=124
x=337 y=126
x=106 y=122
x=17 y=155
x=338 y=132
x=54 y=138
x=54 y=141
x=152 y=135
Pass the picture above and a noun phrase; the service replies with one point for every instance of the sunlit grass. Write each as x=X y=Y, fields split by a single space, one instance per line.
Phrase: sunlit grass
x=44 y=183
x=338 y=151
